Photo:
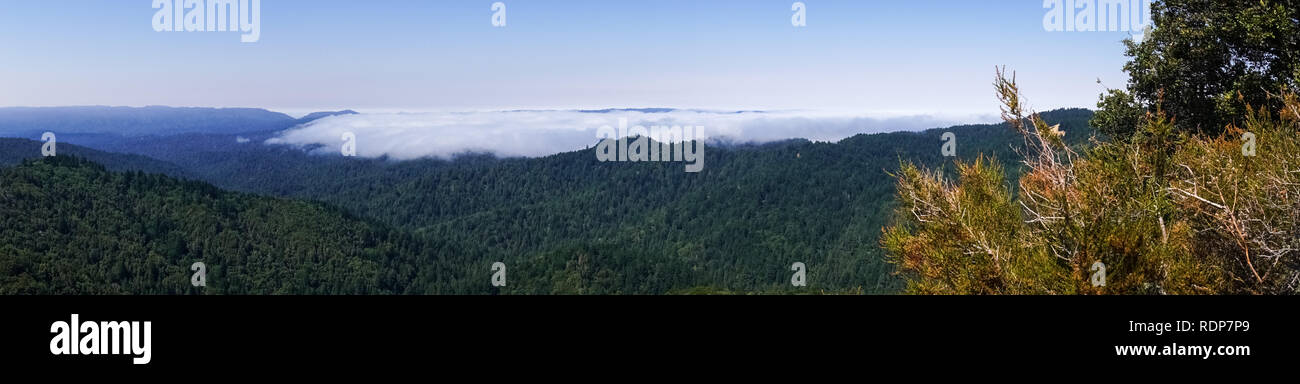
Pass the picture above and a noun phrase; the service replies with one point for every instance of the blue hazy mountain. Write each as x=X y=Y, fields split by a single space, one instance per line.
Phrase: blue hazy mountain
x=103 y=127
x=321 y=115
x=128 y=121
x=118 y=129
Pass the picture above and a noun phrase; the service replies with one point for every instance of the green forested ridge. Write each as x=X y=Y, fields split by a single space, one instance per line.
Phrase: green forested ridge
x=563 y=224
x=14 y=151
x=68 y=226
x=585 y=226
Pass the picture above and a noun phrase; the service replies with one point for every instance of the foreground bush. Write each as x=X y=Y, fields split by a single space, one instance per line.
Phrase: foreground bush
x=1161 y=212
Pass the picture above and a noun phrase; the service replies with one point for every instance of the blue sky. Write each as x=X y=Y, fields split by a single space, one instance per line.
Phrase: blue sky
x=868 y=56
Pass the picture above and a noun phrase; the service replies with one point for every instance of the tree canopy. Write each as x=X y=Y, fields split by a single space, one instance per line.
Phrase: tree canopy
x=1205 y=63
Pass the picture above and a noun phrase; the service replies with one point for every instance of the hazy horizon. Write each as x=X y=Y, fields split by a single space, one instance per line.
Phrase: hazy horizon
x=506 y=133
x=916 y=57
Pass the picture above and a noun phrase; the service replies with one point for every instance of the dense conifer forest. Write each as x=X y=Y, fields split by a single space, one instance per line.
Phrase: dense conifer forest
x=562 y=224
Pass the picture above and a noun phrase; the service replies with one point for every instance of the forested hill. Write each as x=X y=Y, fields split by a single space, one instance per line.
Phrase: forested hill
x=68 y=226
x=14 y=151
x=562 y=224
x=588 y=227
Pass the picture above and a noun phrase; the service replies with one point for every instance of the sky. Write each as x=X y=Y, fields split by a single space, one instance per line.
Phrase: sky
x=868 y=57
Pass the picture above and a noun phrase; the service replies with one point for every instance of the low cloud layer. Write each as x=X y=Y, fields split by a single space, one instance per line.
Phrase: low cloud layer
x=405 y=136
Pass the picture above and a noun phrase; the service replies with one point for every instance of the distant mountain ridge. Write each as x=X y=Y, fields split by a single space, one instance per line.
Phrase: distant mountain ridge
x=321 y=115
x=92 y=121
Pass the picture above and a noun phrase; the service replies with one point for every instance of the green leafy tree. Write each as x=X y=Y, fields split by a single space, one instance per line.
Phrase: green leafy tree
x=1205 y=62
